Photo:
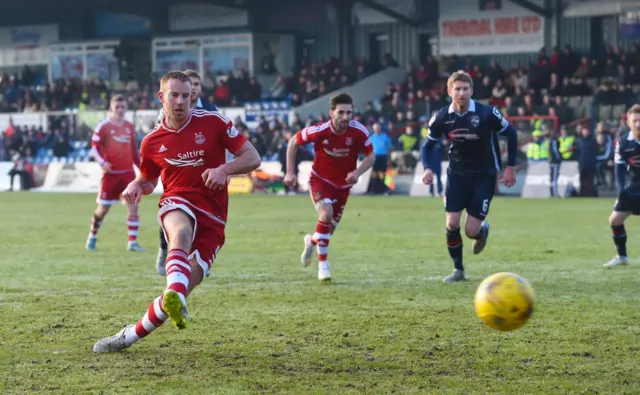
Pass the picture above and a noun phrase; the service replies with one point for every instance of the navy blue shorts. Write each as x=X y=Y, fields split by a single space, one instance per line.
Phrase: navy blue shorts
x=472 y=193
x=628 y=201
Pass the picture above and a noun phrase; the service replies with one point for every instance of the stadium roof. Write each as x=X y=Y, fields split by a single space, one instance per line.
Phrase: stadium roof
x=20 y=12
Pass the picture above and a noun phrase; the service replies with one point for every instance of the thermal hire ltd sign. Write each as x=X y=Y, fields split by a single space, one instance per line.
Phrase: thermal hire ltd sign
x=465 y=30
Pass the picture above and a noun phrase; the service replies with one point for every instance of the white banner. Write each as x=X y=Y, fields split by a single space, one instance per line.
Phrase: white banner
x=5 y=168
x=76 y=177
x=465 y=30
x=86 y=176
x=234 y=112
x=418 y=188
x=304 y=173
x=538 y=181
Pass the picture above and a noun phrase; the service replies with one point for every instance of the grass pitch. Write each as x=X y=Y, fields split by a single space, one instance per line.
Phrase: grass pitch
x=264 y=324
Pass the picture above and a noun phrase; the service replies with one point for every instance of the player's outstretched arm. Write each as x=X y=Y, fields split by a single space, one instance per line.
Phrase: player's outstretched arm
x=138 y=187
x=435 y=133
x=97 y=150
x=509 y=175
x=148 y=185
x=247 y=160
x=365 y=165
x=512 y=144
x=146 y=181
x=292 y=152
x=425 y=152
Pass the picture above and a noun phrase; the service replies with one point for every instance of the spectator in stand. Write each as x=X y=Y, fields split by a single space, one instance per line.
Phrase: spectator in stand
x=23 y=169
x=61 y=145
x=409 y=150
x=604 y=160
x=522 y=90
x=587 y=153
x=278 y=89
x=498 y=95
x=566 y=144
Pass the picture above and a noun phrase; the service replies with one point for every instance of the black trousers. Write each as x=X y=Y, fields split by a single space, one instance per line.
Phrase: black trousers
x=378 y=172
x=587 y=181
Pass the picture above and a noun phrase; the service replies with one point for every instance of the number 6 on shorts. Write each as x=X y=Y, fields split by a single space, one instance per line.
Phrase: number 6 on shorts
x=485 y=206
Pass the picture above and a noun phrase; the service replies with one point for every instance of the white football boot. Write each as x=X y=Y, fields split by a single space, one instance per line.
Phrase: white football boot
x=324 y=271
x=455 y=276
x=307 y=253
x=617 y=261
x=133 y=246
x=113 y=343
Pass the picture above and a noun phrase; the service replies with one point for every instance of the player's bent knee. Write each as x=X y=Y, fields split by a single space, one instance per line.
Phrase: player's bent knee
x=452 y=221
x=325 y=212
x=181 y=236
x=452 y=227
x=179 y=228
x=102 y=210
x=617 y=218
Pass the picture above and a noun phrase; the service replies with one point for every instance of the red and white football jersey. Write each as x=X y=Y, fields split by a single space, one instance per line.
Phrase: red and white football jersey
x=179 y=157
x=115 y=143
x=336 y=155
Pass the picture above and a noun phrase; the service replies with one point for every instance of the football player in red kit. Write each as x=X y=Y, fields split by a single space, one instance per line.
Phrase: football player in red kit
x=187 y=151
x=337 y=145
x=114 y=148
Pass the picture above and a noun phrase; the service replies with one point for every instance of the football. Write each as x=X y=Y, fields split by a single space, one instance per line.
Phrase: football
x=504 y=301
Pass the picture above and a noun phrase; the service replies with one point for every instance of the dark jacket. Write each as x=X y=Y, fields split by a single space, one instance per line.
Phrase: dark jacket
x=587 y=153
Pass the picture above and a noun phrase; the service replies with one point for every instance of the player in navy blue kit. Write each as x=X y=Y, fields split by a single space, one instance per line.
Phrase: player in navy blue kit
x=474 y=162
x=627 y=159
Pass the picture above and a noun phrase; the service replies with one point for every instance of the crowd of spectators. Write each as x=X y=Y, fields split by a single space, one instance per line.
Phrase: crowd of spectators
x=309 y=80
x=560 y=86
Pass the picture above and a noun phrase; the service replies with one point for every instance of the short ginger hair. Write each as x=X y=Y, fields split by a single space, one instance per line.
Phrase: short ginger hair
x=459 y=75
x=174 y=75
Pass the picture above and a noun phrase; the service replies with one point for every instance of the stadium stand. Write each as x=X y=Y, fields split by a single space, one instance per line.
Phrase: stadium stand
x=560 y=89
